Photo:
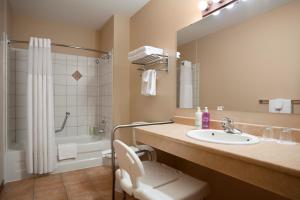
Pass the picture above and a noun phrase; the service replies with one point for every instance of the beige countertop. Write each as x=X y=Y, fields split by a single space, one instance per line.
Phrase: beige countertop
x=271 y=155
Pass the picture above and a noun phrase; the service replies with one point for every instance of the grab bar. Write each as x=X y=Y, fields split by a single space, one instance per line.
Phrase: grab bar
x=113 y=162
x=63 y=124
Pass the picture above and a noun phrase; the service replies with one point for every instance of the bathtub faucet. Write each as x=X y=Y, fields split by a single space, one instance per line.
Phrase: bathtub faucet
x=64 y=123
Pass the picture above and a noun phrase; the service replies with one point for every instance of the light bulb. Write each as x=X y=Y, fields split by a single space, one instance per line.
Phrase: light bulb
x=216 y=12
x=230 y=6
x=203 y=5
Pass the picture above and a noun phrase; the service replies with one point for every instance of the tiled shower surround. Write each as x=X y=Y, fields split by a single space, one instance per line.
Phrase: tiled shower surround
x=82 y=87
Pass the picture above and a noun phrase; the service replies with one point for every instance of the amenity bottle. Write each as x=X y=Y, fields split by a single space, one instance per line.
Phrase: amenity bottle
x=198 y=118
x=206 y=119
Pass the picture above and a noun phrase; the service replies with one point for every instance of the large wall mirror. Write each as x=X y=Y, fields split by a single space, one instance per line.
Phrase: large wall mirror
x=246 y=53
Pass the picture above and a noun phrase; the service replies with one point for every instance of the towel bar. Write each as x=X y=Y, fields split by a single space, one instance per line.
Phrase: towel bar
x=265 y=101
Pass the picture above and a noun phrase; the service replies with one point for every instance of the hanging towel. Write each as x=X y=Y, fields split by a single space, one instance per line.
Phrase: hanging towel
x=67 y=151
x=186 y=86
x=148 y=86
x=280 y=106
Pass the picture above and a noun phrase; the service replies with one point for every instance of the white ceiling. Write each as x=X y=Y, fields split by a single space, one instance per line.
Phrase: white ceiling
x=244 y=10
x=86 y=13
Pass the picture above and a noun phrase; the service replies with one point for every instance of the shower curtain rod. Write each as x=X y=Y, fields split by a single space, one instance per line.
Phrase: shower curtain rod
x=60 y=45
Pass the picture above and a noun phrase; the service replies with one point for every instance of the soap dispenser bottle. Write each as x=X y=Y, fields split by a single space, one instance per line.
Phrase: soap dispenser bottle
x=198 y=118
x=206 y=119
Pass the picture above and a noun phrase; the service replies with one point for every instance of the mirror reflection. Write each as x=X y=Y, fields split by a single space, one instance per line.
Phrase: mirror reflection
x=246 y=58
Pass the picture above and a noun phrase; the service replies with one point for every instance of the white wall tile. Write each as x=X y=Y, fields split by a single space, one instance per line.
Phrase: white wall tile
x=92 y=70
x=58 y=122
x=71 y=60
x=60 y=111
x=60 y=100
x=60 y=59
x=83 y=81
x=60 y=90
x=60 y=79
x=82 y=120
x=82 y=61
x=92 y=81
x=72 y=121
x=21 y=77
x=92 y=91
x=71 y=80
x=21 y=111
x=71 y=69
x=82 y=110
x=92 y=101
x=72 y=90
x=82 y=100
x=59 y=68
x=83 y=69
x=82 y=90
x=71 y=131
x=83 y=130
x=21 y=65
x=72 y=110
x=71 y=100
x=21 y=123
x=21 y=100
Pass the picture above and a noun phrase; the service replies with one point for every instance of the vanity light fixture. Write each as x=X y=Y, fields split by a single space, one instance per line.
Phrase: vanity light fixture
x=217 y=1
x=203 y=5
x=216 y=12
x=230 y=6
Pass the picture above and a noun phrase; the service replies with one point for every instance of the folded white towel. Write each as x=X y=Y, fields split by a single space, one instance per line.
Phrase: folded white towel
x=142 y=55
x=67 y=151
x=146 y=49
x=280 y=106
x=148 y=86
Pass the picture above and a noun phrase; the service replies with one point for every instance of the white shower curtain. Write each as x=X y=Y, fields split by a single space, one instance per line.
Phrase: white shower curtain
x=40 y=152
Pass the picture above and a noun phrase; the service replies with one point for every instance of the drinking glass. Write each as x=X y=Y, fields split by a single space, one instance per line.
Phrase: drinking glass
x=286 y=136
x=268 y=134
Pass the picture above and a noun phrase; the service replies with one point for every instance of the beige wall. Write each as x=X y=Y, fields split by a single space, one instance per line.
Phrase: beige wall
x=156 y=25
x=24 y=27
x=106 y=35
x=121 y=87
x=257 y=59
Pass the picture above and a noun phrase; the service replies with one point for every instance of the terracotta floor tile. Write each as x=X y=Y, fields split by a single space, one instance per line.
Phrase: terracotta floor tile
x=18 y=188
x=80 y=189
x=17 y=197
x=48 y=182
x=102 y=185
x=98 y=172
x=74 y=177
x=106 y=195
x=51 y=194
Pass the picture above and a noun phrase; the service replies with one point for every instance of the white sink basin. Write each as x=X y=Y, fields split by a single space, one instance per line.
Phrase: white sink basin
x=219 y=136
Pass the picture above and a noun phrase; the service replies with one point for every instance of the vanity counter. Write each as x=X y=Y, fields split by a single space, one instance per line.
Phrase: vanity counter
x=272 y=166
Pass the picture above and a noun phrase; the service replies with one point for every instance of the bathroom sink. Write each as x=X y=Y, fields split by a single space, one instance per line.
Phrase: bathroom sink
x=219 y=136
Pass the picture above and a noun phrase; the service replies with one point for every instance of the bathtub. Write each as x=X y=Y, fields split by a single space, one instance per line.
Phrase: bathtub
x=89 y=155
x=89 y=150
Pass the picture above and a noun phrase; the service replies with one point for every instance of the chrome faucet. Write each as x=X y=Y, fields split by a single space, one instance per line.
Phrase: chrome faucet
x=228 y=126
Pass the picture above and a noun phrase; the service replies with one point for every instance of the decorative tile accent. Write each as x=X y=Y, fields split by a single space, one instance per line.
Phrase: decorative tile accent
x=76 y=75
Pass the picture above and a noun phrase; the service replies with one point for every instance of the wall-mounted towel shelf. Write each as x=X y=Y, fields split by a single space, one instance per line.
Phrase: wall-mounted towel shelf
x=266 y=101
x=151 y=60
